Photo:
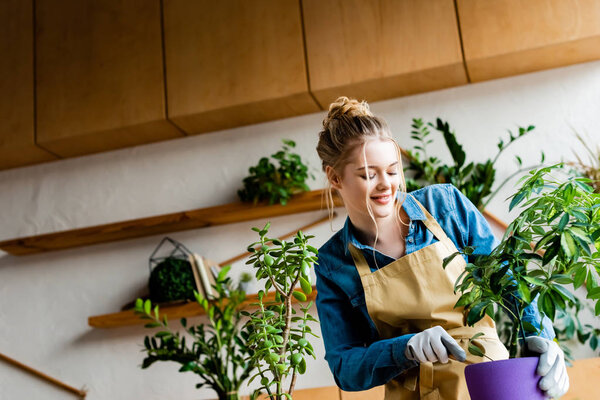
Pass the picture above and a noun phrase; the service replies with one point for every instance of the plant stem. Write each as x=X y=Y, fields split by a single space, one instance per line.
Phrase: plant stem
x=293 y=383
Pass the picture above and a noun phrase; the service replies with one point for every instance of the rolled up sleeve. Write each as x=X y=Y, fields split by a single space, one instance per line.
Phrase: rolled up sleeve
x=355 y=362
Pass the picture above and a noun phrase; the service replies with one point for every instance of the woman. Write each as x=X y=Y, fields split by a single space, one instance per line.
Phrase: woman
x=385 y=303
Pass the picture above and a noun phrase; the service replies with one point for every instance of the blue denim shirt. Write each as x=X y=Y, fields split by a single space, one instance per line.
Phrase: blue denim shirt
x=357 y=357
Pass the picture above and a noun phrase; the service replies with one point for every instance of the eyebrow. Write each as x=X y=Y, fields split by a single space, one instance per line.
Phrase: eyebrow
x=375 y=166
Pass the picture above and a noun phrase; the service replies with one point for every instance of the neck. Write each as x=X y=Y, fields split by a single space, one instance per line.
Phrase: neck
x=390 y=229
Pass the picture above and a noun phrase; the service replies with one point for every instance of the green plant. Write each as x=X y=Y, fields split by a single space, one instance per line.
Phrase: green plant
x=244 y=280
x=276 y=183
x=218 y=352
x=279 y=338
x=171 y=279
x=474 y=180
x=560 y=219
x=569 y=327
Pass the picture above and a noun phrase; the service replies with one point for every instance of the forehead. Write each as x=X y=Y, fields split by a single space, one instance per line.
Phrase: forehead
x=377 y=153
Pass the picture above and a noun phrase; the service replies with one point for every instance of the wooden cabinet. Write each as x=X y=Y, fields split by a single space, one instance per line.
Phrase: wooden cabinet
x=17 y=136
x=377 y=50
x=99 y=75
x=511 y=37
x=234 y=62
x=112 y=74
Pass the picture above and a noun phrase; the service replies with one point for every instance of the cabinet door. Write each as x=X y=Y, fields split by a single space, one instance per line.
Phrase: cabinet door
x=99 y=75
x=374 y=50
x=511 y=37
x=17 y=137
x=234 y=62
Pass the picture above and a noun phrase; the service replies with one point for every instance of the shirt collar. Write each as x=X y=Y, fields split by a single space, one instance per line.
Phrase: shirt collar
x=409 y=205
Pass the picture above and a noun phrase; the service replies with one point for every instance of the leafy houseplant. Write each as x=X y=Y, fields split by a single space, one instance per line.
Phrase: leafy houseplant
x=279 y=335
x=276 y=183
x=569 y=327
x=219 y=351
x=561 y=220
x=474 y=180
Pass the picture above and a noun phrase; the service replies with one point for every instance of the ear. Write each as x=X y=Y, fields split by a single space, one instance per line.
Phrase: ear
x=334 y=179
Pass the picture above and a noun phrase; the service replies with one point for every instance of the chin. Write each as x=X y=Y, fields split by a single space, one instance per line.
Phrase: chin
x=382 y=211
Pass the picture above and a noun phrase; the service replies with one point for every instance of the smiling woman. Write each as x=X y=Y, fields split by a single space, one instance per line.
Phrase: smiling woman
x=363 y=163
x=368 y=184
x=385 y=302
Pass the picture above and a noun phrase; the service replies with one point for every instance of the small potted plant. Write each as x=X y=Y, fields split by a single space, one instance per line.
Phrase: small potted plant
x=552 y=244
x=278 y=180
x=217 y=352
x=279 y=337
x=171 y=277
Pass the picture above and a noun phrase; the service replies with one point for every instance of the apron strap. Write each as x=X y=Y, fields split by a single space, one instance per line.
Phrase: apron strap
x=359 y=261
x=433 y=225
x=426 y=388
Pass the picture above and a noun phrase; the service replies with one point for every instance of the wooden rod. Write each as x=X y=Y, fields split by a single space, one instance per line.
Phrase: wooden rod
x=79 y=392
x=495 y=219
x=287 y=235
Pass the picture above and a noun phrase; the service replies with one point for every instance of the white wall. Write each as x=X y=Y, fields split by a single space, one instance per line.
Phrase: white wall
x=45 y=299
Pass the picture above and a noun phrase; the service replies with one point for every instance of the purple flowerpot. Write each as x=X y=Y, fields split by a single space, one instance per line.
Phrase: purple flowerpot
x=504 y=380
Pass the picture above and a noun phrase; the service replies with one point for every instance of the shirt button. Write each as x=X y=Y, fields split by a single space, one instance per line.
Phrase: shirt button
x=410 y=240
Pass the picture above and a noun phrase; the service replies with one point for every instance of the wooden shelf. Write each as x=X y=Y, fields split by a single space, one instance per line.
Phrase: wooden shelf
x=188 y=309
x=179 y=221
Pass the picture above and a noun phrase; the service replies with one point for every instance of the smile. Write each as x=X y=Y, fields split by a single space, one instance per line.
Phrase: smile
x=382 y=199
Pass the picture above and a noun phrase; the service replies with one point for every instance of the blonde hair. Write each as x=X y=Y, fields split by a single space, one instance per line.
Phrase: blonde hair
x=350 y=123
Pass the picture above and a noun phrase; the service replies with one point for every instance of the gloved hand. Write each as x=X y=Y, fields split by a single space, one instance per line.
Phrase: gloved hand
x=555 y=380
x=433 y=345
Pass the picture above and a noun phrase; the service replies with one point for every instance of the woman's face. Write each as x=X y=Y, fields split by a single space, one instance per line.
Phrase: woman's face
x=383 y=172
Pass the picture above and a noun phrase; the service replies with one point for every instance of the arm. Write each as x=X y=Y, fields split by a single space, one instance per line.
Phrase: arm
x=476 y=232
x=356 y=362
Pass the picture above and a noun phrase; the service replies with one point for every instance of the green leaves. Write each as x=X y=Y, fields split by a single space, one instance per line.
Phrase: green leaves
x=561 y=217
x=277 y=180
x=456 y=150
x=474 y=180
x=278 y=339
x=306 y=287
x=475 y=348
x=218 y=351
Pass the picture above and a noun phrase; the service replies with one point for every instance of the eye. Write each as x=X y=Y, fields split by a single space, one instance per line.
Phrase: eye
x=365 y=177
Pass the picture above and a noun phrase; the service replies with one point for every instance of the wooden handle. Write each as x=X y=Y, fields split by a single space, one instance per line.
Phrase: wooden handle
x=79 y=392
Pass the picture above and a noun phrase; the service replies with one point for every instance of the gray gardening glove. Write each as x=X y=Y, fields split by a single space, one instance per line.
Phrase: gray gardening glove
x=551 y=367
x=433 y=345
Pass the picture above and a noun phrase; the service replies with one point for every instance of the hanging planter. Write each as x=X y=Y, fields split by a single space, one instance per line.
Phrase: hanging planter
x=171 y=277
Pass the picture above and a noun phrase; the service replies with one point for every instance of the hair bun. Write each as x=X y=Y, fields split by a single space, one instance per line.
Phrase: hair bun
x=344 y=106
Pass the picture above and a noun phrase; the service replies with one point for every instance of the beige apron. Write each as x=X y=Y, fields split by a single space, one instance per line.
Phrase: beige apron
x=415 y=293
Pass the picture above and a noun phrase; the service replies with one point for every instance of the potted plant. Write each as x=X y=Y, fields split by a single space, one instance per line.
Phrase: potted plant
x=474 y=180
x=553 y=242
x=217 y=352
x=171 y=276
x=276 y=183
x=279 y=334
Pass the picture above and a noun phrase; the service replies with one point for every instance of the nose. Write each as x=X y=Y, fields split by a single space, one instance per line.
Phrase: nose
x=384 y=182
